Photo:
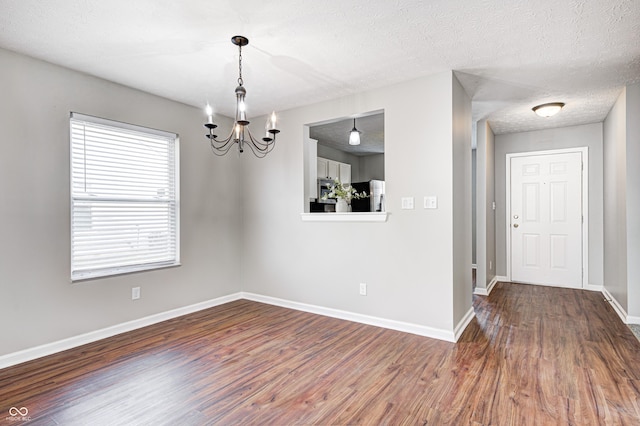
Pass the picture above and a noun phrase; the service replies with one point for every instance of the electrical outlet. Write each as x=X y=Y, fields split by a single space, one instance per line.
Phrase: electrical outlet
x=363 y=289
x=135 y=293
x=491 y=265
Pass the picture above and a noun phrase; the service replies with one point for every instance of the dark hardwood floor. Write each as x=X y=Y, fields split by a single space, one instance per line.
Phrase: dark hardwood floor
x=533 y=356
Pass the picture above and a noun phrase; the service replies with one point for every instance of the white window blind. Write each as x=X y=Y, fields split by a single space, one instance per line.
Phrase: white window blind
x=124 y=198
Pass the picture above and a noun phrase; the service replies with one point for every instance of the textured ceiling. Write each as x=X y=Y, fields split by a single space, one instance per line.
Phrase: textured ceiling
x=509 y=54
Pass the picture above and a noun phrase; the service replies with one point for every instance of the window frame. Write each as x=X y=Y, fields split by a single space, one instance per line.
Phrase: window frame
x=170 y=204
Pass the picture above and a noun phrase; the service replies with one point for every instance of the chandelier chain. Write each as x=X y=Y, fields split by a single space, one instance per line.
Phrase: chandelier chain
x=240 y=81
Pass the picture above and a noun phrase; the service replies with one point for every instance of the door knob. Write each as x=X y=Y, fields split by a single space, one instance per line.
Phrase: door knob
x=515 y=225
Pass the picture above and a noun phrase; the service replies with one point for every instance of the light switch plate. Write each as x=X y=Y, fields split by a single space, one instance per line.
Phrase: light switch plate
x=407 y=203
x=431 y=202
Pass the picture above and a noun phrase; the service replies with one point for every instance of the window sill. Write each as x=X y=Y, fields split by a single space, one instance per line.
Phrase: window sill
x=344 y=217
x=116 y=271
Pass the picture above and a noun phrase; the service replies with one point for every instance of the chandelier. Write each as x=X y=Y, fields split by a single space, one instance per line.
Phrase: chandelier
x=240 y=133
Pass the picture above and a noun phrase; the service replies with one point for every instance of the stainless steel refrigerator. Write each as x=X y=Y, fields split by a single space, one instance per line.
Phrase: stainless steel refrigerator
x=375 y=202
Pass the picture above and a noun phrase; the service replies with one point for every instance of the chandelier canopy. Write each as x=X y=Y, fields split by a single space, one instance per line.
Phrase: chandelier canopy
x=240 y=133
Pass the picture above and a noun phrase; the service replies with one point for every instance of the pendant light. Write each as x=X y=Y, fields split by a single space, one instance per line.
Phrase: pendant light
x=354 y=136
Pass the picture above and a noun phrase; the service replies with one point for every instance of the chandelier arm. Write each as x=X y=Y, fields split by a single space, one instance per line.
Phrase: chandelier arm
x=222 y=145
x=257 y=151
x=261 y=145
x=226 y=140
x=221 y=151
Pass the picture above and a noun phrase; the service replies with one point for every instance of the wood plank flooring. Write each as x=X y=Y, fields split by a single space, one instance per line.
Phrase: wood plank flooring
x=533 y=356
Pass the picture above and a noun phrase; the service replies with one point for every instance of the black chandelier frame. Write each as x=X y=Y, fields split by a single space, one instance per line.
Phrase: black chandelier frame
x=240 y=133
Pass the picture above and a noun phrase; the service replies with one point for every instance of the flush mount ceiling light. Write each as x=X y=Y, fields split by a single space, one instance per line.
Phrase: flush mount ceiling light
x=240 y=133
x=354 y=136
x=547 y=110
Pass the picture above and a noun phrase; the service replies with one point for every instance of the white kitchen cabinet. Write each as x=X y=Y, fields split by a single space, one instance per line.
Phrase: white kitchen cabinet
x=311 y=175
x=333 y=169
x=323 y=167
x=329 y=169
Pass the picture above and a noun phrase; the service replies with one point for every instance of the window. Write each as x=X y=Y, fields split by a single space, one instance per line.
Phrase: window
x=124 y=198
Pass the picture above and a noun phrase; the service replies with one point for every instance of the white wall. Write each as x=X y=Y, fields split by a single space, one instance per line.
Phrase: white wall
x=633 y=201
x=486 y=237
x=615 y=210
x=622 y=203
x=408 y=261
x=462 y=282
x=474 y=213
x=39 y=303
x=589 y=135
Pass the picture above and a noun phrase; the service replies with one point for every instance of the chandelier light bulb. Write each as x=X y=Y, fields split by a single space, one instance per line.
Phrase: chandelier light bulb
x=273 y=120
x=270 y=125
x=209 y=111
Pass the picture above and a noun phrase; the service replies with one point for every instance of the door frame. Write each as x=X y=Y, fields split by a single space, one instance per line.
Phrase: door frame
x=585 y=204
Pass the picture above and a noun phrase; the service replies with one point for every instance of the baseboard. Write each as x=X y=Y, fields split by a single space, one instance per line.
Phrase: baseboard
x=82 y=339
x=592 y=287
x=462 y=325
x=480 y=291
x=633 y=320
x=616 y=306
x=487 y=291
x=493 y=283
x=420 y=330
x=75 y=341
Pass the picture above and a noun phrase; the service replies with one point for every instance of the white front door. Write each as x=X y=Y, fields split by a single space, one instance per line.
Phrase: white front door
x=546 y=219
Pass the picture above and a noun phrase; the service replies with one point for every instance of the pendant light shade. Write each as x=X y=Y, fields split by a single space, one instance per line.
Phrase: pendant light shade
x=354 y=136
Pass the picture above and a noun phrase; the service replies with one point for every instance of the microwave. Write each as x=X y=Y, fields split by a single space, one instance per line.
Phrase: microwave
x=323 y=189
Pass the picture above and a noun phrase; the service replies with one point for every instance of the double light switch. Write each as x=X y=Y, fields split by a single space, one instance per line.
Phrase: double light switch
x=430 y=202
